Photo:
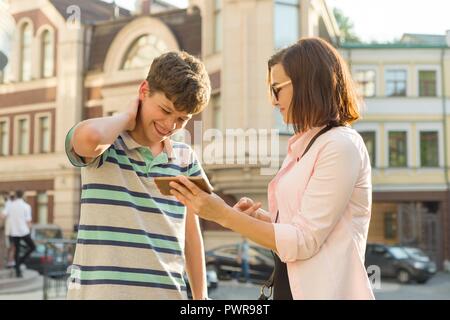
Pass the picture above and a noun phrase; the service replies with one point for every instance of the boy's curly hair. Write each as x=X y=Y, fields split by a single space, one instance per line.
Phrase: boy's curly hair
x=183 y=79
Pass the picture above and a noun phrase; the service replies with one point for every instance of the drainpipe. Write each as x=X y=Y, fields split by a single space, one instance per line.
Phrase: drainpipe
x=444 y=117
x=446 y=215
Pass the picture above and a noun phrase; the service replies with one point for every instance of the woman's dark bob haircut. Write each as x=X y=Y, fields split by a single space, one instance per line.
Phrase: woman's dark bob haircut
x=323 y=90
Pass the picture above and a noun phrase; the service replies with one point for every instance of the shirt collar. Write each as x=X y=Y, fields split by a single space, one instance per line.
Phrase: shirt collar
x=298 y=143
x=131 y=144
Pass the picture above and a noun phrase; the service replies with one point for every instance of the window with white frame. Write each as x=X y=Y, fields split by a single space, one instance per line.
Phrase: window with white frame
x=286 y=22
x=25 y=52
x=429 y=148
x=142 y=51
x=427 y=83
x=23 y=136
x=42 y=207
x=218 y=26
x=4 y=138
x=396 y=82
x=47 y=54
x=398 y=148
x=365 y=80
x=44 y=134
x=369 y=138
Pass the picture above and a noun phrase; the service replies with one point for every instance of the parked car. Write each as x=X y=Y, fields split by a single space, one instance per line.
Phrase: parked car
x=59 y=255
x=212 y=281
x=226 y=262
x=400 y=262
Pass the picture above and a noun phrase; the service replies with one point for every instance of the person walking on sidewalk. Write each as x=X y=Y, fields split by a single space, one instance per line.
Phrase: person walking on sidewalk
x=19 y=214
x=8 y=198
x=243 y=260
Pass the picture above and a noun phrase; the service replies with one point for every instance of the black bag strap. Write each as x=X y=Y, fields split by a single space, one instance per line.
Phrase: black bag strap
x=269 y=282
x=325 y=129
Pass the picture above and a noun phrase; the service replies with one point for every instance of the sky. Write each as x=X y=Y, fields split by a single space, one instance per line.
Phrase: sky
x=386 y=20
x=381 y=20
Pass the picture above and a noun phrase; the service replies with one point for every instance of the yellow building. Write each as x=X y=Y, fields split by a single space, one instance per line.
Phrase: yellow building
x=405 y=125
x=406 y=88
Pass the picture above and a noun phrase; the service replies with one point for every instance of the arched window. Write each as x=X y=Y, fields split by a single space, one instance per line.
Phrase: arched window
x=142 y=52
x=25 y=52
x=47 y=54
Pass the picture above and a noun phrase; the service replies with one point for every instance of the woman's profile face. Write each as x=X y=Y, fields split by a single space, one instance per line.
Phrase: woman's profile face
x=282 y=98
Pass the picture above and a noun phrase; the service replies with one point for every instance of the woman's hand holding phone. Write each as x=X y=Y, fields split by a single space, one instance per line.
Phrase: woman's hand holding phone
x=208 y=206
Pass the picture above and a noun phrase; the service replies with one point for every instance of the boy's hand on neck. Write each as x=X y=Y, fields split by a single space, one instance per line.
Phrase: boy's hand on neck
x=93 y=136
x=132 y=112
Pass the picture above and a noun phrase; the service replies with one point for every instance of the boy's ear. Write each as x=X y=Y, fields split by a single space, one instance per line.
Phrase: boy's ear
x=144 y=89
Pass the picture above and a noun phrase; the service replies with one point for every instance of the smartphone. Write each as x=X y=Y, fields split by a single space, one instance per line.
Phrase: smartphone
x=163 y=184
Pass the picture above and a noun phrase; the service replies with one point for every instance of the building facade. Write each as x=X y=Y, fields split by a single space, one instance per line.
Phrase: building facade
x=73 y=60
x=405 y=126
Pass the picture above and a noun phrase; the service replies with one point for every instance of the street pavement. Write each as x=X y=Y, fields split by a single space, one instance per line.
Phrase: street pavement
x=437 y=288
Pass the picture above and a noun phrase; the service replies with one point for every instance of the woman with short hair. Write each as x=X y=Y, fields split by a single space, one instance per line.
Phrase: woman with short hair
x=320 y=200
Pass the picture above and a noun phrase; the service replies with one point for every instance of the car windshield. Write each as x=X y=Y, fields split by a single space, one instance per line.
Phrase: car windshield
x=42 y=234
x=398 y=253
x=229 y=252
x=416 y=253
x=264 y=252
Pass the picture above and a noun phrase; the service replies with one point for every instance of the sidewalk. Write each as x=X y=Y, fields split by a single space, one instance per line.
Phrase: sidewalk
x=437 y=288
x=35 y=295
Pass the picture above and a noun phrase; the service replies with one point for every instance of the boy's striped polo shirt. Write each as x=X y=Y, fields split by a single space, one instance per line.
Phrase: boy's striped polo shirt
x=130 y=242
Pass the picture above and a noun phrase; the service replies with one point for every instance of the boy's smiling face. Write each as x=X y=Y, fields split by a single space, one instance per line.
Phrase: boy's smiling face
x=157 y=117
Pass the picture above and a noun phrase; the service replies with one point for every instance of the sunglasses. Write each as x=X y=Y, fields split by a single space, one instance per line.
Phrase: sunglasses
x=275 y=89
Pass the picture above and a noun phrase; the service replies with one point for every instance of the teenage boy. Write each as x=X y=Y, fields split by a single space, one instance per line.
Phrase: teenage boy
x=133 y=242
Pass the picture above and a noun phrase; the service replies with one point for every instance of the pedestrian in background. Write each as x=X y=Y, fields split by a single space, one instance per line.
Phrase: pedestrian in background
x=18 y=212
x=243 y=254
x=10 y=249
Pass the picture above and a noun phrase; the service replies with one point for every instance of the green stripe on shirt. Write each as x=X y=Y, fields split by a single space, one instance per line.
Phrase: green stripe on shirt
x=126 y=237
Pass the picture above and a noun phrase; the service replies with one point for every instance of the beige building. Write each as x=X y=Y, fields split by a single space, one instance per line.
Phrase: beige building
x=79 y=59
x=238 y=39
